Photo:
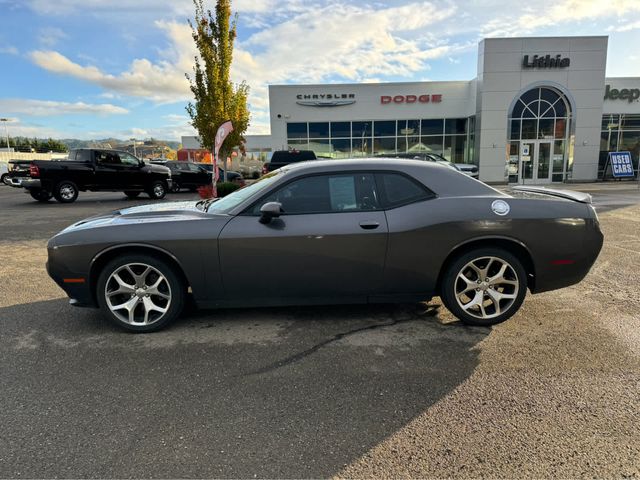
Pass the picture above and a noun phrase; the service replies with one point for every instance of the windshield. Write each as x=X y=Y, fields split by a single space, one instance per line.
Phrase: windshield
x=225 y=204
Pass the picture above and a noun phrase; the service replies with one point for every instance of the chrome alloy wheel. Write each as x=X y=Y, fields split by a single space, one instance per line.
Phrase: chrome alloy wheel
x=486 y=287
x=67 y=192
x=138 y=294
x=158 y=190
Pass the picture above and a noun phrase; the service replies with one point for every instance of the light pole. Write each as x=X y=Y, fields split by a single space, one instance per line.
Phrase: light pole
x=134 y=147
x=6 y=130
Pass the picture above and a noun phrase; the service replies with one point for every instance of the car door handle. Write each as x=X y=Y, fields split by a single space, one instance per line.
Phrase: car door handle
x=369 y=225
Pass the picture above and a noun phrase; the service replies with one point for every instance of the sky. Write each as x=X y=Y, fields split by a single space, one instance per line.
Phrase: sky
x=94 y=69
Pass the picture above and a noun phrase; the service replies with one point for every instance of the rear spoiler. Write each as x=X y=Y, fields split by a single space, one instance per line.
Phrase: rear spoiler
x=568 y=194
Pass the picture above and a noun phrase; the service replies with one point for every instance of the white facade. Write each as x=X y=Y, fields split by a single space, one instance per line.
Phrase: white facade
x=483 y=120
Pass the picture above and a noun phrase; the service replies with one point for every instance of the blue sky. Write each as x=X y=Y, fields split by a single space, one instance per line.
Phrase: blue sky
x=115 y=68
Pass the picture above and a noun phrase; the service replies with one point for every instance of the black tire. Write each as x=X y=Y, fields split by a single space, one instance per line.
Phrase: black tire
x=41 y=196
x=488 y=314
x=66 y=192
x=175 y=187
x=157 y=190
x=175 y=287
x=132 y=195
x=3 y=178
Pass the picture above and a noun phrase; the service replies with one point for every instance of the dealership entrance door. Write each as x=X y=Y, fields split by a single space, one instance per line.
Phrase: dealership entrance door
x=535 y=161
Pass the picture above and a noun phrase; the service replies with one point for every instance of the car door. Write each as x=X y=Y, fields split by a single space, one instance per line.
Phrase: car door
x=107 y=169
x=329 y=244
x=132 y=175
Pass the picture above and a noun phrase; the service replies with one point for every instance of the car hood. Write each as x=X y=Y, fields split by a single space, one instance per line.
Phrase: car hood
x=157 y=168
x=157 y=212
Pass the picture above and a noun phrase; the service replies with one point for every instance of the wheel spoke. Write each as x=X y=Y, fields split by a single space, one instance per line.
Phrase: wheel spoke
x=144 y=299
x=488 y=290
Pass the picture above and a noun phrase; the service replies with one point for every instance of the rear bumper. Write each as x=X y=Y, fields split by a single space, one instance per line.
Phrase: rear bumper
x=558 y=273
x=15 y=182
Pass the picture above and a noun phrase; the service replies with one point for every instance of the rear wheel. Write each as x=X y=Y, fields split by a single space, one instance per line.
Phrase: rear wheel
x=485 y=286
x=66 y=192
x=3 y=177
x=157 y=190
x=140 y=293
x=40 y=195
x=131 y=195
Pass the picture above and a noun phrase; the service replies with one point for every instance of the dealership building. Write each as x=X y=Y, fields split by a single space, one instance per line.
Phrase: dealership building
x=540 y=110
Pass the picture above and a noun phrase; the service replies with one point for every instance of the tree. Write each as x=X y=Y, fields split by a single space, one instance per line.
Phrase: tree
x=217 y=99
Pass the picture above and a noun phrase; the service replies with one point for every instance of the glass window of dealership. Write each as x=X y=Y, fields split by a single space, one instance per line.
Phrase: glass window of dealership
x=532 y=115
x=450 y=137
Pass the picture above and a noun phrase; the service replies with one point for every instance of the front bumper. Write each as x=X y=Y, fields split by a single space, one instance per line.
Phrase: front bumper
x=75 y=284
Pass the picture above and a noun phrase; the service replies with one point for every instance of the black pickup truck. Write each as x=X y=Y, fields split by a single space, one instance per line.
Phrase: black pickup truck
x=95 y=170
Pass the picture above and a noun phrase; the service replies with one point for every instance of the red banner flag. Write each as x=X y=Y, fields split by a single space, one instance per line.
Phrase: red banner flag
x=223 y=130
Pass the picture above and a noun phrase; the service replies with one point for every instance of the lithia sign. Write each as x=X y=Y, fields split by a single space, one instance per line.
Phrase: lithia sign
x=545 y=61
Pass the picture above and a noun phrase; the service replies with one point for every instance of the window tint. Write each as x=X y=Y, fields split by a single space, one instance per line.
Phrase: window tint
x=325 y=194
x=106 y=157
x=193 y=167
x=128 y=159
x=400 y=190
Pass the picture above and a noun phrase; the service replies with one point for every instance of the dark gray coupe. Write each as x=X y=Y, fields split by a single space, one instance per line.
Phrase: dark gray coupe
x=328 y=232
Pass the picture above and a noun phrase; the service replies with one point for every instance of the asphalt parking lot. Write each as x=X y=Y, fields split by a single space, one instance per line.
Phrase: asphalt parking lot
x=358 y=391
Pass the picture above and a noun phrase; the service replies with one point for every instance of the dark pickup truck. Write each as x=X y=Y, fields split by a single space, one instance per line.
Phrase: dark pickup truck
x=95 y=170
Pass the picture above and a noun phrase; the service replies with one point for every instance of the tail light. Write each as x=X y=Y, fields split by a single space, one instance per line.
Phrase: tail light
x=34 y=171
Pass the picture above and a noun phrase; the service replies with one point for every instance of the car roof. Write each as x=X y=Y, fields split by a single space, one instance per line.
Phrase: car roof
x=442 y=179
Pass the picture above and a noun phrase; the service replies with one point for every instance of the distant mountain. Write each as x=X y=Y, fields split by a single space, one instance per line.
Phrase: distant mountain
x=113 y=143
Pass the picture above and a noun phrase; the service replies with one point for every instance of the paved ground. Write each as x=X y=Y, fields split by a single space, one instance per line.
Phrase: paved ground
x=370 y=391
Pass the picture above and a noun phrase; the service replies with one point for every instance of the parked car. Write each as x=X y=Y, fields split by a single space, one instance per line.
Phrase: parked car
x=186 y=174
x=339 y=231
x=280 y=158
x=232 y=176
x=95 y=170
x=428 y=157
x=4 y=172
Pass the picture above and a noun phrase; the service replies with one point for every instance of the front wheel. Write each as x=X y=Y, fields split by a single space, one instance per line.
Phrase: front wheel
x=140 y=293
x=157 y=190
x=40 y=195
x=66 y=192
x=485 y=286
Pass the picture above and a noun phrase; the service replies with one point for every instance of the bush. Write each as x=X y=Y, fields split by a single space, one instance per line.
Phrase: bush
x=224 y=189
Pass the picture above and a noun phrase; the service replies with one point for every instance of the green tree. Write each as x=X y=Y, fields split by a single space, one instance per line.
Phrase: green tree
x=217 y=98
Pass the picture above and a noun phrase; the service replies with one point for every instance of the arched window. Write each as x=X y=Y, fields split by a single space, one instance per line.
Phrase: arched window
x=540 y=113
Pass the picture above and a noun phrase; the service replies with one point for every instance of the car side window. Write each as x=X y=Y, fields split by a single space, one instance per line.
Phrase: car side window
x=107 y=158
x=325 y=194
x=400 y=190
x=130 y=160
x=193 y=167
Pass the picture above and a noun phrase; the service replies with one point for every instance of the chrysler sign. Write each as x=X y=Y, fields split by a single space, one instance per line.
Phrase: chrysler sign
x=425 y=98
x=326 y=99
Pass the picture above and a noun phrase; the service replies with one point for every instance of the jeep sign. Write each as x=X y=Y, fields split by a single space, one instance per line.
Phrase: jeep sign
x=628 y=94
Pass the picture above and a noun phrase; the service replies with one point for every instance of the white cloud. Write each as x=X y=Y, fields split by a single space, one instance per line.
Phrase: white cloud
x=8 y=50
x=625 y=27
x=49 y=36
x=47 y=108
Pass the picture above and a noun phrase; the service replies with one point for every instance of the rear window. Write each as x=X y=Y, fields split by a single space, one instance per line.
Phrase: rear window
x=293 y=156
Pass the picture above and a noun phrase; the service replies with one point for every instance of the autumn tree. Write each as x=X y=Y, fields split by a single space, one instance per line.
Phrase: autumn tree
x=217 y=98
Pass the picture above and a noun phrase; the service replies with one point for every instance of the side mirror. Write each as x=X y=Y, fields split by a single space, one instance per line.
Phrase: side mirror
x=269 y=211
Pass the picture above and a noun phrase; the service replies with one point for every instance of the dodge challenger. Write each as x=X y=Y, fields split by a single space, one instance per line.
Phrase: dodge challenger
x=332 y=232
